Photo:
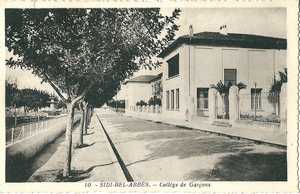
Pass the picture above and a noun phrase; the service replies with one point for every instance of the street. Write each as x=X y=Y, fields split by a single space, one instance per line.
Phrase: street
x=160 y=152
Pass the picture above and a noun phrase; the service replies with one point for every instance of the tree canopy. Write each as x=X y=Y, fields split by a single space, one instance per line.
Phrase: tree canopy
x=30 y=98
x=75 y=49
x=86 y=53
x=276 y=86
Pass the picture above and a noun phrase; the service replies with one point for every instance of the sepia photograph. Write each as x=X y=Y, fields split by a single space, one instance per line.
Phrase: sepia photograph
x=150 y=96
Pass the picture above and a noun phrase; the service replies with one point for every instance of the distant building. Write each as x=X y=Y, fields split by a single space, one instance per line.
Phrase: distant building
x=140 y=88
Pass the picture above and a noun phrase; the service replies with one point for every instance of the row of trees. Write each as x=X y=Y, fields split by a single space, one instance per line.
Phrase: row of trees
x=27 y=98
x=84 y=54
x=116 y=103
x=152 y=101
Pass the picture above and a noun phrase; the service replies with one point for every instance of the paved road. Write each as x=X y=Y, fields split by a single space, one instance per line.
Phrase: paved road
x=160 y=152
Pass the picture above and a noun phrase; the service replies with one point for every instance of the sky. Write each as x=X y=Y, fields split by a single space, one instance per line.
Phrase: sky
x=260 y=21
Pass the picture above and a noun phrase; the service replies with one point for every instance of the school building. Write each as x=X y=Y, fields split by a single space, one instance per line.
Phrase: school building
x=194 y=63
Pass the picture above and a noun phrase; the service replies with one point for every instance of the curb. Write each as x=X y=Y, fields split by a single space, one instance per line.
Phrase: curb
x=115 y=160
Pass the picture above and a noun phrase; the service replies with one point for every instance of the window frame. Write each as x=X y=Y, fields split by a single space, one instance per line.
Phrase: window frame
x=177 y=94
x=172 y=99
x=176 y=69
x=235 y=71
x=168 y=100
x=203 y=89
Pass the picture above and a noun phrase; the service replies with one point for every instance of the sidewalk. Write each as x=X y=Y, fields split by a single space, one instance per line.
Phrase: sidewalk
x=270 y=136
x=92 y=162
x=95 y=159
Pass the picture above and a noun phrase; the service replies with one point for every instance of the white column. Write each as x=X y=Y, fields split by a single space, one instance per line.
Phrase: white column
x=283 y=105
x=233 y=103
x=191 y=87
x=212 y=93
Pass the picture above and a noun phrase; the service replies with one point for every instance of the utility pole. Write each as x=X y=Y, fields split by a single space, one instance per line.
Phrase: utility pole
x=191 y=34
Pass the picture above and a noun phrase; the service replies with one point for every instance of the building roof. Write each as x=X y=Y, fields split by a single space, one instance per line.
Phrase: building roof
x=229 y=40
x=144 y=78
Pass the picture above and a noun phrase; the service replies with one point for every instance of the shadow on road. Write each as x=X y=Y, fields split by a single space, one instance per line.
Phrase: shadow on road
x=84 y=145
x=78 y=175
x=89 y=133
x=246 y=167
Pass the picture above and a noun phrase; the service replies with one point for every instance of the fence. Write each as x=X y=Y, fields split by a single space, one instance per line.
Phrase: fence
x=28 y=129
x=259 y=106
x=255 y=104
x=120 y=110
x=146 y=109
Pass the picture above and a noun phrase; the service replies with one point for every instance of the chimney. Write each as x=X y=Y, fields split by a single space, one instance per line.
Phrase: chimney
x=223 y=29
x=191 y=31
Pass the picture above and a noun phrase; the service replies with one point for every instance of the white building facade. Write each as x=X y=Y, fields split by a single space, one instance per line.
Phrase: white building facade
x=194 y=63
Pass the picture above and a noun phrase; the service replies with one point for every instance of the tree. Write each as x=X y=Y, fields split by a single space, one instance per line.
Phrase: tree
x=96 y=98
x=11 y=94
x=241 y=86
x=223 y=90
x=276 y=86
x=275 y=89
x=77 y=50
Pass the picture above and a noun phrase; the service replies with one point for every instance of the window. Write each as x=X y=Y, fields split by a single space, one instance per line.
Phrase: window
x=172 y=99
x=177 y=99
x=256 y=98
x=230 y=76
x=173 y=66
x=168 y=100
x=202 y=98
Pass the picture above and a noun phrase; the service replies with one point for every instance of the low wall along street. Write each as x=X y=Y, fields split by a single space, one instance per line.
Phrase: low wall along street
x=19 y=153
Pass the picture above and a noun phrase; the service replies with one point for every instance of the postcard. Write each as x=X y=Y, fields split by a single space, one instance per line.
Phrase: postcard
x=149 y=96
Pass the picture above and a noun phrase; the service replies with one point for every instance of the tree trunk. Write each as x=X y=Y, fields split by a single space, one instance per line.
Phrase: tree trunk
x=223 y=107
x=15 y=116
x=80 y=140
x=90 y=113
x=85 y=108
x=226 y=108
x=70 y=117
x=68 y=140
x=278 y=104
